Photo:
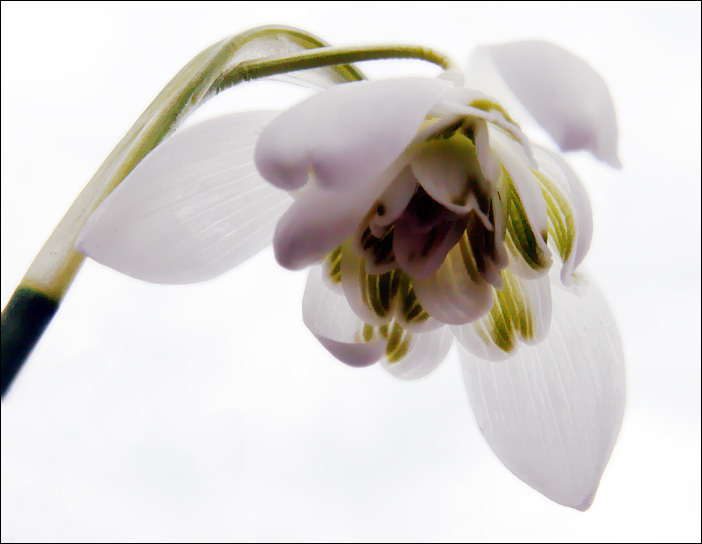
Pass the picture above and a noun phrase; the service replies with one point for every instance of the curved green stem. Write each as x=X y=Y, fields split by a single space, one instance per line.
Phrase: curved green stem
x=329 y=56
x=218 y=67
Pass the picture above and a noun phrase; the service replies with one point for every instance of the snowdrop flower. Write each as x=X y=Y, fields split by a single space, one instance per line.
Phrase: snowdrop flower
x=426 y=215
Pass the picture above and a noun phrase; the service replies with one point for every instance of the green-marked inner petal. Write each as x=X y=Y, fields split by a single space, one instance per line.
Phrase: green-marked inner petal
x=560 y=215
x=520 y=233
x=510 y=316
x=333 y=265
x=398 y=339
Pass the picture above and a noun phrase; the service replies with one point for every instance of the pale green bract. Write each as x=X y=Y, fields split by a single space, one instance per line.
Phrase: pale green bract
x=426 y=215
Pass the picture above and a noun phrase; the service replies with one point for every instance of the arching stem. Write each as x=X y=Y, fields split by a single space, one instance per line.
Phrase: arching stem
x=218 y=67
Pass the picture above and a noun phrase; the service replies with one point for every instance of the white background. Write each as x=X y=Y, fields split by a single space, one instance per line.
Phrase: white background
x=209 y=412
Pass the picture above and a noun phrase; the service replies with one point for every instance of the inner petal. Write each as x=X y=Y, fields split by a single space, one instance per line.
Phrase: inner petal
x=449 y=171
x=420 y=254
x=395 y=199
x=375 y=246
x=521 y=312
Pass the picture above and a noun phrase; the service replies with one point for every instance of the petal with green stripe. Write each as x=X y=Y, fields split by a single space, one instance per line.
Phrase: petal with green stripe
x=521 y=313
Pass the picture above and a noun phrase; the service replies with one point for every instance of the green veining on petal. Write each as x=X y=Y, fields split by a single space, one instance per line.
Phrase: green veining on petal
x=468 y=259
x=390 y=292
x=333 y=265
x=511 y=315
x=398 y=344
x=522 y=236
x=374 y=300
x=401 y=349
x=500 y=326
x=520 y=303
x=480 y=331
x=394 y=338
x=409 y=306
x=398 y=339
x=560 y=215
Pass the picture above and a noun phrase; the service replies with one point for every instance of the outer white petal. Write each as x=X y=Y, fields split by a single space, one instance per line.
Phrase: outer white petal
x=328 y=316
x=347 y=135
x=318 y=221
x=552 y=413
x=321 y=219
x=192 y=209
x=426 y=351
x=561 y=91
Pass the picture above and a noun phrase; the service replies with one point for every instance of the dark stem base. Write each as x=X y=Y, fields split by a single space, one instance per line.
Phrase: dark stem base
x=23 y=322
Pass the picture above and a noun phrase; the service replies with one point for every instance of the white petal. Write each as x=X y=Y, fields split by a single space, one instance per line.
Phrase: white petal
x=426 y=351
x=552 y=413
x=318 y=221
x=532 y=300
x=354 y=281
x=457 y=77
x=321 y=219
x=489 y=164
x=328 y=316
x=192 y=209
x=451 y=295
x=563 y=93
x=560 y=172
x=347 y=135
x=449 y=172
x=515 y=161
x=396 y=198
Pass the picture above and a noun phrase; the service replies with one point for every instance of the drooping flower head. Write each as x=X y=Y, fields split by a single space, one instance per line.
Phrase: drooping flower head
x=425 y=214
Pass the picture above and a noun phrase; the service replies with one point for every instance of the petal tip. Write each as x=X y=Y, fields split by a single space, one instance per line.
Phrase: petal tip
x=613 y=161
x=586 y=502
x=559 y=90
x=354 y=355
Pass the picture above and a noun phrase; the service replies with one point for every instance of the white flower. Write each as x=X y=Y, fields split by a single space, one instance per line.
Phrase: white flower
x=427 y=215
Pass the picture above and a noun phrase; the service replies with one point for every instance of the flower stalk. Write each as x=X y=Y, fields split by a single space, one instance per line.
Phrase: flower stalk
x=220 y=66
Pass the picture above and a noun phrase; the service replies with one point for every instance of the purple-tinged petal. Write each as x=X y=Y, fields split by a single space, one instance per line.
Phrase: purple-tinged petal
x=320 y=219
x=561 y=91
x=328 y=316
x=348 y=135
x=317 y=222
x=420 y=253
